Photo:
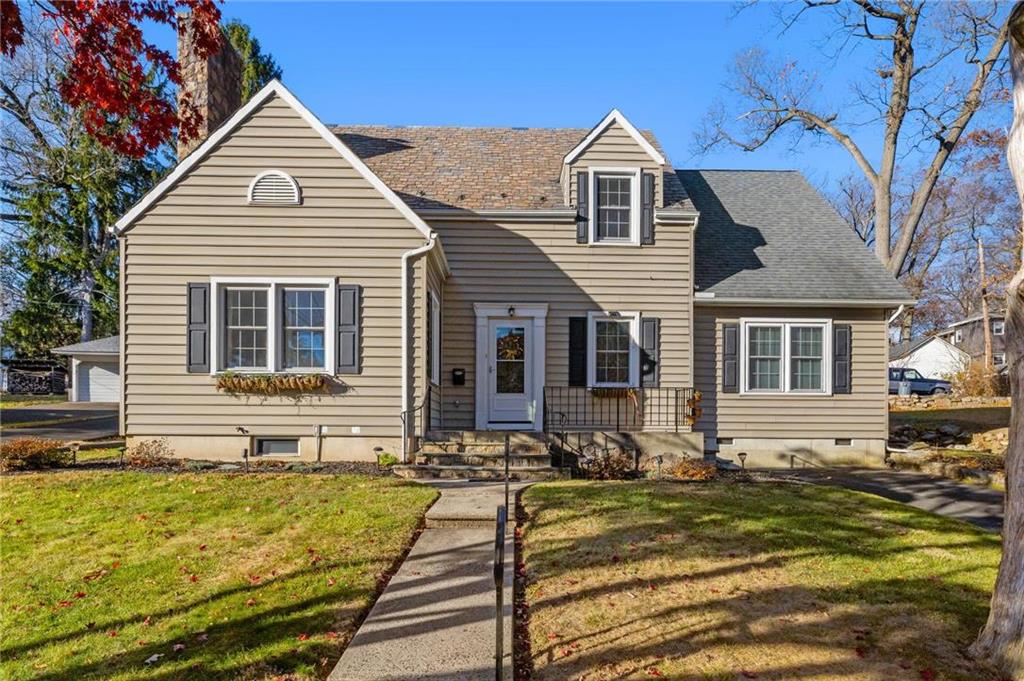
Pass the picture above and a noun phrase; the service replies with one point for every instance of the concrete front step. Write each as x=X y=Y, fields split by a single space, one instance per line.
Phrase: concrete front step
x=486 y=437
x=515 y=460
x=451 y=447
x=480 y=472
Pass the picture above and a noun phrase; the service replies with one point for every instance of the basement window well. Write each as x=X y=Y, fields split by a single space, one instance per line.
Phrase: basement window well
x=276 y=446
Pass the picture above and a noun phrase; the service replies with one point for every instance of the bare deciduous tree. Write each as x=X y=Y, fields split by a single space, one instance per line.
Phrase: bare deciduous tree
x=934 y=73
x=1002 y=639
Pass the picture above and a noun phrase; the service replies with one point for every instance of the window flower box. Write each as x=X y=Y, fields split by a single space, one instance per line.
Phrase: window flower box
x=271 y=384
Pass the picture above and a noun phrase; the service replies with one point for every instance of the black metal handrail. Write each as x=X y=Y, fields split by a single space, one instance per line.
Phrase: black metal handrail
x=572 y=408
x=499 y=593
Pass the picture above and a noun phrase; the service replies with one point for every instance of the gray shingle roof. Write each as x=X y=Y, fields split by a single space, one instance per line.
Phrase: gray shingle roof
x=111 y=345
x=476 y=168
x=770 y=235
x=901 y=350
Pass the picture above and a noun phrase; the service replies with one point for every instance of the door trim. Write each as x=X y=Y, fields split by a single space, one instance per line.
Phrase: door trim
x=538 y=312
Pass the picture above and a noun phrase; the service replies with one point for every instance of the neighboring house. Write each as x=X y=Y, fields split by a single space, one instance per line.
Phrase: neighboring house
x=95 y=369
x=932 y=356
x=969 y=336
x=464 y=279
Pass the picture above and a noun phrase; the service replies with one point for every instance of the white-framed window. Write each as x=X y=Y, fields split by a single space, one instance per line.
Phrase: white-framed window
x=786 y=356
x=615 y=206
x=273 y=325
x=998 y=358
x=958 y=337
x=998 y=327
x=613 y=349
x=434 y=338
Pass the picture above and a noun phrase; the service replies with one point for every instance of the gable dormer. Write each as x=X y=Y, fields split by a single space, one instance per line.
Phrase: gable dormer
x=615 y=178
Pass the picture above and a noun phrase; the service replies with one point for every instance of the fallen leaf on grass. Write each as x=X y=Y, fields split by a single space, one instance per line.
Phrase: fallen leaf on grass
x=251 y=602
x=654 y=671
x=332 y=635
x=331 y=581
x=146 y=622
x=193 y=578
x=112 y=633
x=177 y=647
x=303 y=637
x=153 y=658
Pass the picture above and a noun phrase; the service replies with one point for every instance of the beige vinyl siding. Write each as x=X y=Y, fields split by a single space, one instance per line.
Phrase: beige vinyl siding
x=861 y=414
x=203 y=227
x=614 y=148
x=435 y=282
x=517 y=262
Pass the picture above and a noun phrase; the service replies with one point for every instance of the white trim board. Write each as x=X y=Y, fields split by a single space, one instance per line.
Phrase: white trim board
x=274 y=87
x=615 y=116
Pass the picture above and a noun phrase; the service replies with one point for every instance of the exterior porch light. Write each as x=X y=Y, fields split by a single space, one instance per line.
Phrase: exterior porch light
x=511 y=310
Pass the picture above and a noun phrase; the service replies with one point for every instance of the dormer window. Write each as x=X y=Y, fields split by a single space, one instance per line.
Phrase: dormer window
x=615 y=211
x=274 y=187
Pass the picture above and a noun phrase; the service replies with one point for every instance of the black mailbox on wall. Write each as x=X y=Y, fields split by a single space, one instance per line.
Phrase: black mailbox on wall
x=458 y=377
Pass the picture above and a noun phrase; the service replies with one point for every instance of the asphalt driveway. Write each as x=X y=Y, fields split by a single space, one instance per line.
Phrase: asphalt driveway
x=67 y=421
x=974 y=504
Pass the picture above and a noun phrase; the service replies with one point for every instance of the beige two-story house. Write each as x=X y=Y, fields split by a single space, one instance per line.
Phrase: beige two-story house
x=299 y=289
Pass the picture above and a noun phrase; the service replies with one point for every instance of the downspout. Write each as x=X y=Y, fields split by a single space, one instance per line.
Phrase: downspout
x=406 y=257
x=895 y=316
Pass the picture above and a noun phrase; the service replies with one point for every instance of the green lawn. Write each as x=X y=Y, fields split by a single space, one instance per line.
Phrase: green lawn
x=760 y=580
x=12 y=401
x=971 y=419
x=222 y=576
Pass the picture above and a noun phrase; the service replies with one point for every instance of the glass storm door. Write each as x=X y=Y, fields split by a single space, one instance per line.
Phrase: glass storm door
x=510 y=368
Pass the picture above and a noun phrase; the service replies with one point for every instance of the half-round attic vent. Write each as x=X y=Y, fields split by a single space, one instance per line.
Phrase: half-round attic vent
x=274 y=187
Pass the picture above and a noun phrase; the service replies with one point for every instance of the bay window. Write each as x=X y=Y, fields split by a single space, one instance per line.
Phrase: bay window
x=273 y=325
x=613 y=349
x=786 y=356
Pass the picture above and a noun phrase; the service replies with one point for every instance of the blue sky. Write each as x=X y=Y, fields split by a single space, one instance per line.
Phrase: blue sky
x=532 y=65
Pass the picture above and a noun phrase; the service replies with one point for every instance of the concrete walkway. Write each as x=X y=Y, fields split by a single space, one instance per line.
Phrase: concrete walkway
x=974 y=504
x=436 y=618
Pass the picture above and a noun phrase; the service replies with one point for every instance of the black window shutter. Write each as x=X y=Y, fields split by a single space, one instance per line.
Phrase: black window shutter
x=578 y=351
x=197 y=317
x=842 y=359
x=650 y=351
x=582 y=207
x=348 y=329
x=730 y=358
x=647 y=208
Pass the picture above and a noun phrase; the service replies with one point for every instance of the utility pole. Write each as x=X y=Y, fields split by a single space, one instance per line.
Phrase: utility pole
x=984 y=310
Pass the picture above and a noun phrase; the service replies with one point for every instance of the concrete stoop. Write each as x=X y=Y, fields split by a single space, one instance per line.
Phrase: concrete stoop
x=480 y=455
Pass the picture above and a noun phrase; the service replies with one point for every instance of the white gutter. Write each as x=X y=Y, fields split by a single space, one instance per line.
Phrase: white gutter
x=406 y=257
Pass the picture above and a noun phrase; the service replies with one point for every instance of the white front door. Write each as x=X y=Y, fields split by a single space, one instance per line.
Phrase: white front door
x=510 y=358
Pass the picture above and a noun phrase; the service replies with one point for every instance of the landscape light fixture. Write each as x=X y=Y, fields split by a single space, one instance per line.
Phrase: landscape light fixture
x=743 y=460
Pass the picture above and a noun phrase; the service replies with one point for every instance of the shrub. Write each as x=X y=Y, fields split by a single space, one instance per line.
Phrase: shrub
x=975 y=380
x=607 y=464
x=386 y=460
x=693 y=469
x=150 y=454
x=33 y=453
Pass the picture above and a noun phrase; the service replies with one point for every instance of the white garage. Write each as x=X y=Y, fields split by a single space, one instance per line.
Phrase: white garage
x=95 y=370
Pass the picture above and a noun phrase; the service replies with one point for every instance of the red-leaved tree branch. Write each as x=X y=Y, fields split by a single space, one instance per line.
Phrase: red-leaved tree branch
x=111 y=64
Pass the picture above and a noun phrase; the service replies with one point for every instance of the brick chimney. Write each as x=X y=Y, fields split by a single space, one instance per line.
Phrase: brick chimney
x=214 y=83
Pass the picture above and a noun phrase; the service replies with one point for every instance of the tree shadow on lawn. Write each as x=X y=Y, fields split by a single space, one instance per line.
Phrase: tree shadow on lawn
x=265 y=626
x=778 y=581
